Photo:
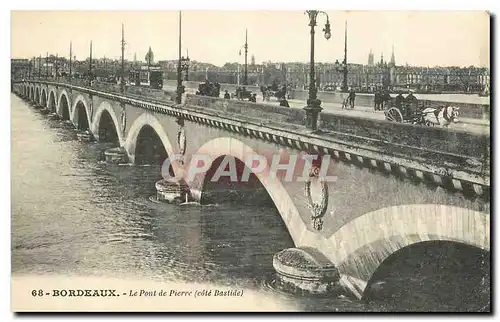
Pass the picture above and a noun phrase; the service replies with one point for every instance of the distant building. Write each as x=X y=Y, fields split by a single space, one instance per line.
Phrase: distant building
x=20 y=68
x=370 y=58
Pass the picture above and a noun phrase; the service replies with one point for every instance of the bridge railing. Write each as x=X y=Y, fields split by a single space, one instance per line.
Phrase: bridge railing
x=137 y=92
x=388 y=134
x=384 y=134
x=468 y=110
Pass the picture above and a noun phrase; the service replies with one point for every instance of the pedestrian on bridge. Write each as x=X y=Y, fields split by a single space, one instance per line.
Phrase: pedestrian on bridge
x=284 y=102
x=352 y=97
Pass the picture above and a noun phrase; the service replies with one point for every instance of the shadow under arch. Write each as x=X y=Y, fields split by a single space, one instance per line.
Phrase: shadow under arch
x=52 y=106
x=80 y=116
x=105 y=125
x=433 y=275
x=360 y=246
x=43 y=98
x=131 y=142
x=218 y=147
x=63 y=107
x=37 y=95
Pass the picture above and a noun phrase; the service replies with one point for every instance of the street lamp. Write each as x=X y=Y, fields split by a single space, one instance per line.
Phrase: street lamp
x=313 y=107
x=185 y=62
x=180 y=88
x=185 y=66
x=343 y=67
x=56 y=66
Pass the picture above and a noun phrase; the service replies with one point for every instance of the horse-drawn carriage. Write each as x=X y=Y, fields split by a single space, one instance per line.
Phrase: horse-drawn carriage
x=209 y=89
x=274 y=91
x=242 y=93
x=415 y=113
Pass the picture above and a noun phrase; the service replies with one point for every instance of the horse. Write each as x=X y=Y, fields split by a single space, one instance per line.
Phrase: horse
x=441 y=116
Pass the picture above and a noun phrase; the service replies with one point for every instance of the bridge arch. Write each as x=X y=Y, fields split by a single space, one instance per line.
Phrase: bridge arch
x=37 y=95
x=281 y=198
x=148 y=120
x=43 y=99
x=52 y=104
x=31 y=93
x=63 y=108
x=80 y=114
x=362 y=245
x=106 y=113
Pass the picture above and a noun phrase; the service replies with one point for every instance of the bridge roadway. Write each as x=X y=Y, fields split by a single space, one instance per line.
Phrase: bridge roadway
x=397 y=185
x=478 y=126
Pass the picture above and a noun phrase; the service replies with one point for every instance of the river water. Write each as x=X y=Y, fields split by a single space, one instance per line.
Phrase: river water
x=73 y=214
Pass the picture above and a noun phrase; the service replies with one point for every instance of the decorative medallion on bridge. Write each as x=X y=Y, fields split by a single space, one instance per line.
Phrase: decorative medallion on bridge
x=318 y=209
x=123 y=118
x=181 y=137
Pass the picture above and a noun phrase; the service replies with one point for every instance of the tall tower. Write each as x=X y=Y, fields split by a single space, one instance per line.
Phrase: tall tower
x=393 y=59
x=370 y=58
x=381 y=59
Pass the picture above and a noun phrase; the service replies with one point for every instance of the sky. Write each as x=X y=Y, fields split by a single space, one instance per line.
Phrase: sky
x=421 y=38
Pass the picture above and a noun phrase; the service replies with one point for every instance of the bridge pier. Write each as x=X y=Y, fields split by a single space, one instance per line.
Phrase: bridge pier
x=305 y=270
x=85 y=136
x=116 y=155
x=172 y=191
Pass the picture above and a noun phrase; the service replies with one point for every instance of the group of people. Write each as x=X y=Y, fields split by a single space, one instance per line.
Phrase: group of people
x=274 y=89
x=253 y=97
x=239 y=92
x=350 y=99
x=209 y=89
x=408 y=105
x=381 y=98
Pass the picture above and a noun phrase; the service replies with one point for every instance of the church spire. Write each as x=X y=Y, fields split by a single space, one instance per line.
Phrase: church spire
x=393 y=59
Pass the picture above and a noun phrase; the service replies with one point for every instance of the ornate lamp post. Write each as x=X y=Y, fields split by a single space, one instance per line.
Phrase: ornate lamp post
x=122 y=78
x=313 y=107
x=40 y=67
x=30 y=66
x=185 y=65
x=47 y=66
x=245 y=76
x=343 y=67
x=180 y=88
x=57 y=67
x=70 y=62
x=90 y=65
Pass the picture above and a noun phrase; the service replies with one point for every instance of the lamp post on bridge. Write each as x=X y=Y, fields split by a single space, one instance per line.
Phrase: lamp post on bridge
x=343 y=67
x=40 y=67
x=313 y=107
x=245 y=75
x=185 y=65
x=47 y=66
x=29 y=68
x=122 y=79
x=180 y=88
x=56 y=66
x=70 y=55
x=90 y=65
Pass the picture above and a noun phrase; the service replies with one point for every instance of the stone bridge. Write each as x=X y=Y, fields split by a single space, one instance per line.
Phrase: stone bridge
x=396 y=184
